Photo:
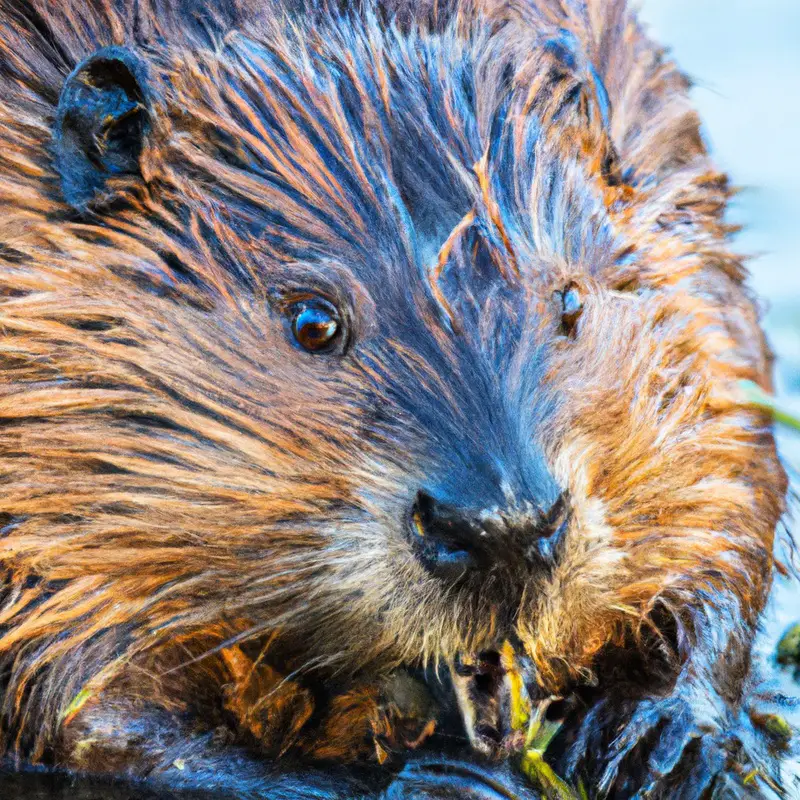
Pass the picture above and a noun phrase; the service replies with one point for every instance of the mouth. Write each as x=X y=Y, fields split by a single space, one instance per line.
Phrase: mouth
x=502 y=717
x=493 y=565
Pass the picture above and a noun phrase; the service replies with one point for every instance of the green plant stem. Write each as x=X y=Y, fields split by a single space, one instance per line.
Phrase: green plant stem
x=756 y=396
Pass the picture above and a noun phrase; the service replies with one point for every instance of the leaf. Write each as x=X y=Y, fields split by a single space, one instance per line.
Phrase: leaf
x=756 y=396
x=539 y=732
x=541 y=774
x=520 y=702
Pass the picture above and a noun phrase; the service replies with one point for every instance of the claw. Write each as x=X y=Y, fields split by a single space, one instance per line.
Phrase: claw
x=647 y=717
x=671 y=748
x=583 y=743
x=404 y=719
x=709 y=763
x=688 y=739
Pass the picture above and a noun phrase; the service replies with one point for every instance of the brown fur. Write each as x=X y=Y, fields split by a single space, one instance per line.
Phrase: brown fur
x=177 y=478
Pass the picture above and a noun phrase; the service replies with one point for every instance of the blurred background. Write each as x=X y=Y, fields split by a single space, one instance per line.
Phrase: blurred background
x=744 y=57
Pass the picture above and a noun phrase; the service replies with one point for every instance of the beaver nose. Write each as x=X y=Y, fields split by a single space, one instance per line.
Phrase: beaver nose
x=450 y=541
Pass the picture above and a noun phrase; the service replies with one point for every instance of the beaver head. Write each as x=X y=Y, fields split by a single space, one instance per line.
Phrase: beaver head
x=399 y=341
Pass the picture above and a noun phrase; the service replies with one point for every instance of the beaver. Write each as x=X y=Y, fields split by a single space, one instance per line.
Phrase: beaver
x=348 y=345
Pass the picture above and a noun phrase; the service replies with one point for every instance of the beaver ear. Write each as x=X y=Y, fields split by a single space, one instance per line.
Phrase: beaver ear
x=103 y=117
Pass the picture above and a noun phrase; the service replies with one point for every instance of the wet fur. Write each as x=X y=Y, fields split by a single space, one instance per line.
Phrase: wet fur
x=177 y=476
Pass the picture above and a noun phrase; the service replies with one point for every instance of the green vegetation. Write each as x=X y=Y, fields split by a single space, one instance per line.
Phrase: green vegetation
x=788 y=651
x=755 y=395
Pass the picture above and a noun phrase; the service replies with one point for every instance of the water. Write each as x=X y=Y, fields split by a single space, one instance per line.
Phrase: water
x=745 y=60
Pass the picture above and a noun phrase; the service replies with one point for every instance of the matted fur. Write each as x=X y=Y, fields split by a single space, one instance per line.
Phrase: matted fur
x=177 y=475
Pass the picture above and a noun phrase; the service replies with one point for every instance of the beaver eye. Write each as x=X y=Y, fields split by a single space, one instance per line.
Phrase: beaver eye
x=316 y=326
x=571 y=308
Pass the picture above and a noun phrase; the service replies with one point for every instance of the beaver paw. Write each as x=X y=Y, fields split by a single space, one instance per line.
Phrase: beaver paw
x=376 y=721
x=264 y=704
x=406 y=716
x=665 y=743
x=679 y=738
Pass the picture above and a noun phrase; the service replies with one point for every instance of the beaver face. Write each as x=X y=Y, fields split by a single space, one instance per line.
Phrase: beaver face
x=376 y=339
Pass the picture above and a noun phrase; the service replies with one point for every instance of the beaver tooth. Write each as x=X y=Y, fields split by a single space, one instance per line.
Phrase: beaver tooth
x=480 y=687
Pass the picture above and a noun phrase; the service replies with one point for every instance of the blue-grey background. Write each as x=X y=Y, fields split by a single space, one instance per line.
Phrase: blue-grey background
x=744 y=57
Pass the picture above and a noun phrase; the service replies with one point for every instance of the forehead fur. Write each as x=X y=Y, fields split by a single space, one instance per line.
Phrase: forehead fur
x=338 y=137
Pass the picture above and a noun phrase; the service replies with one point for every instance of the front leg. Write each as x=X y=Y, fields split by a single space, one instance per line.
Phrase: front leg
x=379 y=721
x=369 y=722
x=686 y=741
x=119 y=740
x=675 y=743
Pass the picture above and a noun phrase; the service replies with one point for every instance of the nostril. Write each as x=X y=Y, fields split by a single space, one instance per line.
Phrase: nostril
x=441 y=537
x=552 y=530
x=555 y=516
x=423 y=513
